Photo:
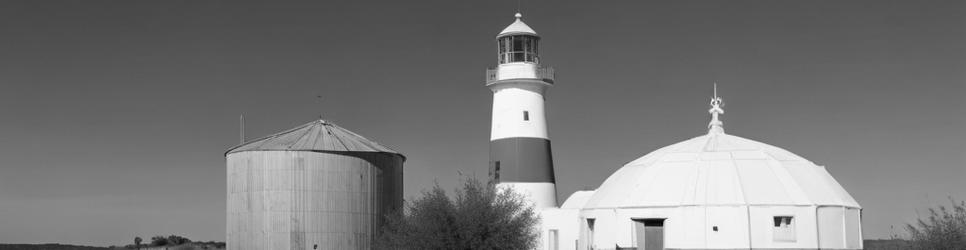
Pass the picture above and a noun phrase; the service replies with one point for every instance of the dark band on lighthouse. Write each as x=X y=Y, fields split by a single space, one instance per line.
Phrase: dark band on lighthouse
x=521 y=159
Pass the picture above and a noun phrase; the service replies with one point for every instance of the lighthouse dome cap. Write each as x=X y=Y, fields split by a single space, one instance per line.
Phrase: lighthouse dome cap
x=319 y=136
x=518 y=27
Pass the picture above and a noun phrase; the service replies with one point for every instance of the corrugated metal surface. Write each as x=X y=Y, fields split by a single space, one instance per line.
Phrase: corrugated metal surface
x=318 y=135
x=299 y=199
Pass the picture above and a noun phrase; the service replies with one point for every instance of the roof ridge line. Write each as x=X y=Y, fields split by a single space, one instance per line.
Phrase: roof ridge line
x=340 y=139
x=366 y=140
x=303 y=134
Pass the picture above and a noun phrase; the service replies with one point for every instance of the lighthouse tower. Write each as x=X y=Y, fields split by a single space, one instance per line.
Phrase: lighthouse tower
x=519 y=147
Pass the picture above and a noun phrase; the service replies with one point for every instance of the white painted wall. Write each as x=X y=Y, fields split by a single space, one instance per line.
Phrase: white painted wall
x=853 y=228
x=517 y=70
x=566 y=224
x=691 y=227
x=803 y=220
x=543 y=195
x=831 y=227
x=509 y=103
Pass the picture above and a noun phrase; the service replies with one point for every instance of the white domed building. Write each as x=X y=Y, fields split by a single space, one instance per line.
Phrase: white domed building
x=715 y=191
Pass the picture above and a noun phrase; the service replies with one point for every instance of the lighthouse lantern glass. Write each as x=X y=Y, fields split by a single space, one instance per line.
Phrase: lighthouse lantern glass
x=518 y=48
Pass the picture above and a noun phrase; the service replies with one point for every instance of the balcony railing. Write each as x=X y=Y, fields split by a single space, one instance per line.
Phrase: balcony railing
x=542 y=73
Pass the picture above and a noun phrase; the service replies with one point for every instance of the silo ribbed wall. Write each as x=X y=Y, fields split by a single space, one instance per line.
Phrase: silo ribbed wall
x=299 y=199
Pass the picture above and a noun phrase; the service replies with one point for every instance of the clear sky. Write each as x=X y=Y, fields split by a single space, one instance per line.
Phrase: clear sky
x=116 y=114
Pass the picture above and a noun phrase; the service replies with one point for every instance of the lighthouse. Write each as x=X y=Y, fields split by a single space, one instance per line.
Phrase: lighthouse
x=520 y=155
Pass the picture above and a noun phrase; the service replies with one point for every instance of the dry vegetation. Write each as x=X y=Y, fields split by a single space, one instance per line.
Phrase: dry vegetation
x=478 y=217
x=943 y=228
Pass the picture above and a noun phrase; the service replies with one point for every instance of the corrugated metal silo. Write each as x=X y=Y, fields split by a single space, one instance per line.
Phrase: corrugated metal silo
x=316 y=185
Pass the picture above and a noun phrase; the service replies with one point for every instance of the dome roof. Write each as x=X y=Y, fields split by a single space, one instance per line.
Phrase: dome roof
x=719 y=169
x=318 y=135
x=517 y=28
x=577 y=200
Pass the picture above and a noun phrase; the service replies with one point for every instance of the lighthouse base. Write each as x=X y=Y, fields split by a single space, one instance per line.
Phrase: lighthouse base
x=540 y=194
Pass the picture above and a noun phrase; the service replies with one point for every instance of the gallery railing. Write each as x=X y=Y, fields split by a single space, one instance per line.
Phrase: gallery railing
x=542 y=73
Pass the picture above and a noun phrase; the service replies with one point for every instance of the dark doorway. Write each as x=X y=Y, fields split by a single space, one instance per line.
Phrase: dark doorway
x=649 y=233
x=590 y=234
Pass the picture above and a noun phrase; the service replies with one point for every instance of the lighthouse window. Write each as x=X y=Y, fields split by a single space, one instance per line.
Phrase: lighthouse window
x=526 y=115
x=495 y=172
x=784 y=229
x=518 y=42
x=503 y=48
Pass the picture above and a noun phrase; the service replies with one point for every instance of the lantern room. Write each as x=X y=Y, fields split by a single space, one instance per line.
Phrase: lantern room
x=518 y=43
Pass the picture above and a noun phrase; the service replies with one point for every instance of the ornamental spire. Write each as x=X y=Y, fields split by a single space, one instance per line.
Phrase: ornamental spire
x=716 y=126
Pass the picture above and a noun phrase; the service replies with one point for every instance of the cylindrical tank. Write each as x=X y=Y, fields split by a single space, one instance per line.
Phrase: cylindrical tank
x=317 y=186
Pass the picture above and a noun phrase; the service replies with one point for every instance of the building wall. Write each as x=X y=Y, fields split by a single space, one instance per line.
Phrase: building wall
x=565 y=222
x=839 y=227
x=692 y=227
x=804 y=225
x=517 y=70
x=510 y=100
x=299 y=199
x=853 y=228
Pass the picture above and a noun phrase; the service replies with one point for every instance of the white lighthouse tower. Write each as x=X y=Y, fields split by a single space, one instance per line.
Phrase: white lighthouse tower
x=519 y=147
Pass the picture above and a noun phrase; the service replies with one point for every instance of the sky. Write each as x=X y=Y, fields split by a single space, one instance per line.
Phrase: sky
x=116 y=114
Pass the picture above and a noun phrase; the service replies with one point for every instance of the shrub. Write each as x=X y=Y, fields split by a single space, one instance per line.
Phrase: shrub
x=159 y=241
x=171 y=240
x=478 y=217
x=944 y=229
x=178 y=240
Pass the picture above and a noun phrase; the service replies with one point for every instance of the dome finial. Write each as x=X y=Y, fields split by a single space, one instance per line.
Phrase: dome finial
x=518 y=15
x=716 y=126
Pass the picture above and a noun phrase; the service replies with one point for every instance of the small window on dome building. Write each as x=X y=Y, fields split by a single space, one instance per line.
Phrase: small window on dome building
x=784 y=228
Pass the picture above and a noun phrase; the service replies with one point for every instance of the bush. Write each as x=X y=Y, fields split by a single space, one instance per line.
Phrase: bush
x=159 y=241
x=178 y=240
x=479 y=217
x=944 y=229
x=172 y=240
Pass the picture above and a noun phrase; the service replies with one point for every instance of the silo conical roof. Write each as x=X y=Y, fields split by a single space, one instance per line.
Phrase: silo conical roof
x=318 y=135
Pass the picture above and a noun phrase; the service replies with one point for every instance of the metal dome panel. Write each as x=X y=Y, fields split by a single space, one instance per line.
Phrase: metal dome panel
x=719 y=169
